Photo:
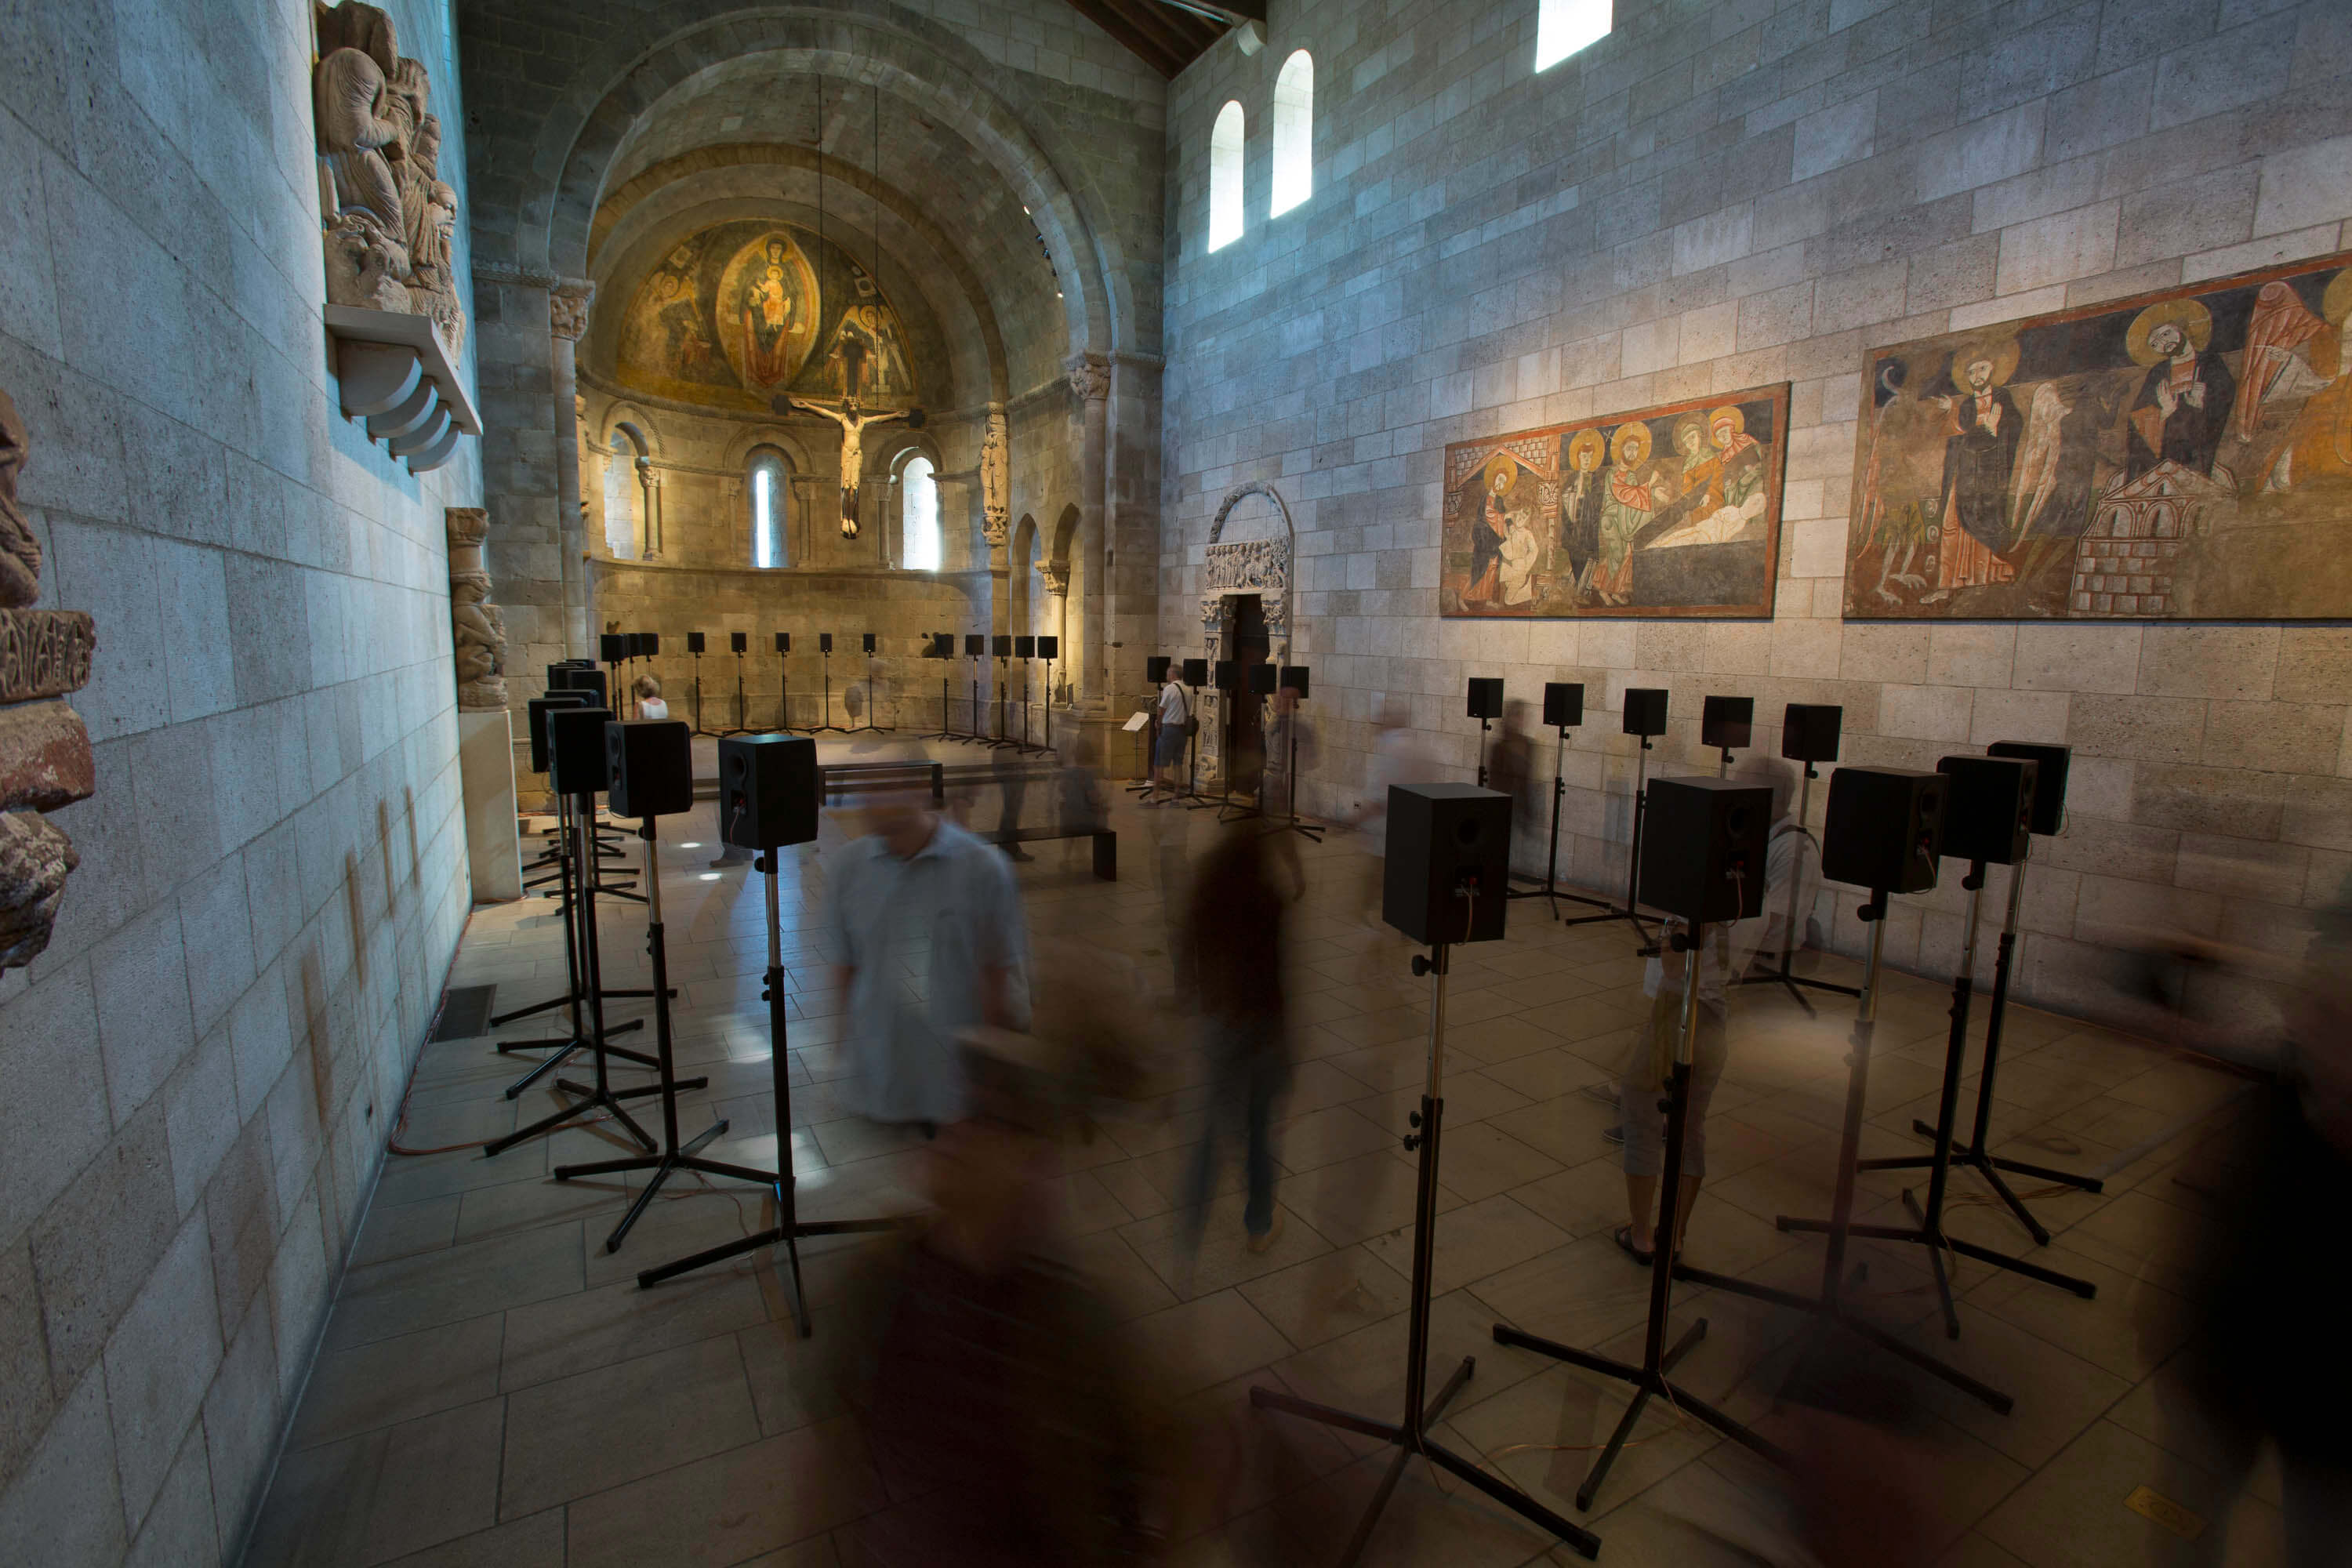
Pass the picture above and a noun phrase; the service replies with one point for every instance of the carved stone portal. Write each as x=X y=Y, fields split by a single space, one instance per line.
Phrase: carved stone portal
x=44 y=756
x=387 y=213
x=1260 y=567
x=477 y=629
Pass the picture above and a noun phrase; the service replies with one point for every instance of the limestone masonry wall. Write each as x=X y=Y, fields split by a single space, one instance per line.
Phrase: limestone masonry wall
x=1721 y=196
x=197 y=1078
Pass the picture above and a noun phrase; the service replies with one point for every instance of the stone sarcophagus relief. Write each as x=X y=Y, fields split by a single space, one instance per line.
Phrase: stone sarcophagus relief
x=477 y=631
x=387 y=217
x=44 y=755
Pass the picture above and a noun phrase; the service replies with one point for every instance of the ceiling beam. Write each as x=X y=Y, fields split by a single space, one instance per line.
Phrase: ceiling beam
x=1144 y=46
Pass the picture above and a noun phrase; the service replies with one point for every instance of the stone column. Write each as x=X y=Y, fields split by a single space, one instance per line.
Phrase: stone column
x=567 y=319
x=1055 y=577
x=1090 y=385
x=649 y=486
x=485 y=761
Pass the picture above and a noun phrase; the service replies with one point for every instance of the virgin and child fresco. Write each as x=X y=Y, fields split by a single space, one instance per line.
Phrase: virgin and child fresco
x=1672 y=511
x=735 y=317
x=2181 y=455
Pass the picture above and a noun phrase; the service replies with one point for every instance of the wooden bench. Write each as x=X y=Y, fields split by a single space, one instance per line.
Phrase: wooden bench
x=841 y=780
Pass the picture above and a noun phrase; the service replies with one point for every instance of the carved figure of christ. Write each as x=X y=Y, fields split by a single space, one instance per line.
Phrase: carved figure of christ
x=853 y=452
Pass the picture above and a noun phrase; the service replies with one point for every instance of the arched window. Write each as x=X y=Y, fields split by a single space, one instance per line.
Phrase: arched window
x=766 y=486
x=919 y=516
x=1564 y=26
x=623 y=493
x=1294 y=134
x=1225 y=178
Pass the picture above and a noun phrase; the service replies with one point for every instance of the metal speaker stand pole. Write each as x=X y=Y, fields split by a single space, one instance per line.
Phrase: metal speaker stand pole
x=697 y=697
x=789 y=1226
x=1784 y=975
x=1973 y=1153
x=784 y=694
x=1658 y=1359
x=1550 y=890
x=741 y=727
x=1929 y=1231
x=1629 y=911
x=946 y=731
x=579 y=1039
x=1411 y=1435
x=1311 y=831
x=672 y=1156
x=1483 y=727
x=600 y=1094
x=974 y=733
x=1830 y=1304
x=828 y=724
x=1049 y=705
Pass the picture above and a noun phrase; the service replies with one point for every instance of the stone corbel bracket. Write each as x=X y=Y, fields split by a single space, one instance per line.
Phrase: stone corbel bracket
x=395 y=373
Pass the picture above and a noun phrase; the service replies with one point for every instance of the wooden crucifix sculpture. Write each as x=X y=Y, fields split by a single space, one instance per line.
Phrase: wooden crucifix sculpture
x=853 y=449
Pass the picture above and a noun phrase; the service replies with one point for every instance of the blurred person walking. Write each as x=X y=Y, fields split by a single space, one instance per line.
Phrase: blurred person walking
x=1234 y=951
x=1396 y=759
x=1174 y=714
x=921 y=896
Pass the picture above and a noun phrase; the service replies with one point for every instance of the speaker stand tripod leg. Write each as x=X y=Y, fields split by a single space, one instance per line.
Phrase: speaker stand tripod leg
x=560 y=1051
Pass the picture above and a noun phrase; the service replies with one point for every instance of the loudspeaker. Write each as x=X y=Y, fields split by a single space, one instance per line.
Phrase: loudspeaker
x=1486 y=696
x=869 y=642
x=1196 y=672
x=825 y=642
x=1049 y=647
x=974 y=644
x=1564 y=703
x=783 y=642
x=612 y=647
x=737 y=642
x=559 y=674
x=634 y=644
x=1001 y=647
x=538 y=708
x=653 y=644
x=767 y=790
x=2049 y=782
x=1025 y=647
x=1155 y=668
x=695 y=643
x=588 y=681
x=1727 y=723
x=1645 y=711
x=650 y=768
x=1809 y=731
x=942 y=645
x=1703 y=849
x=1228 y=675
x=1988 y=807
x=1885 y=830
x=1441 y=837
x=1261 y=680
x=1294 y=676
x=575 y=750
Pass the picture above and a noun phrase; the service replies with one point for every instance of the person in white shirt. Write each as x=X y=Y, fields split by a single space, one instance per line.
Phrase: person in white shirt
x=1175 y=713
x=649 y=697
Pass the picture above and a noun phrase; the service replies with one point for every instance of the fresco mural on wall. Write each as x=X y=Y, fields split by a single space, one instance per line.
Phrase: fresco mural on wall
x=733 y=318
x=1671 y=510
x=2182 y=455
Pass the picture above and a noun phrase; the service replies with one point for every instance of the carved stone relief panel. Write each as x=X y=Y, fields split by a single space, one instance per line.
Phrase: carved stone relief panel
x=477 y=629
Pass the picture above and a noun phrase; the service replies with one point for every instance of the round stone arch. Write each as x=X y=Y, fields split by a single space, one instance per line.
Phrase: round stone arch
x=1259 y=566
x=864 y=41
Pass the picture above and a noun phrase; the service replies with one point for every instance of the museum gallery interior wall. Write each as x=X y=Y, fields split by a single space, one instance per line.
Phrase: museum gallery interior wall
x=1719 y=198
x=199 y=1074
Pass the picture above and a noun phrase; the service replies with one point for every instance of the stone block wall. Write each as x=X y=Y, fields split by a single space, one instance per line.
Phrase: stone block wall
x=198 y=1077
x=1723 y=196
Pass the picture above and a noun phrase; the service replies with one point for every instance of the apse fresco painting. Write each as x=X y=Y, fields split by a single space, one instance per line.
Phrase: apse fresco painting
x=2184 y=455
x=1672 y=511
x=746 y=313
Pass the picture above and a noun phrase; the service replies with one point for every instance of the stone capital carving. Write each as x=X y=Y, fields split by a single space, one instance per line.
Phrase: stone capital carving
x=45 y=761
x=477 y=629
x=1090 y=377
x=567 y=309
x=1055 y=576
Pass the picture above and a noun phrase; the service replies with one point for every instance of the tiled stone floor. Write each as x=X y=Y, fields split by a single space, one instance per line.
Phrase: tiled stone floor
x=494 y=1388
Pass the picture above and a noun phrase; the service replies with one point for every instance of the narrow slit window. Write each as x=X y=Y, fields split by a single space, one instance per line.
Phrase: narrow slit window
x=768 y=509
x=1225 y=178
x=1564 y=26
x=919 y=514
x=1294 y=134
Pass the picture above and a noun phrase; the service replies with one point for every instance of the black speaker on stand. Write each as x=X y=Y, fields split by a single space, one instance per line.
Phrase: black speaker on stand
x=784 y=683
x=1563 y=710
x=1727 y=724
x=999 y=647
x=1195 y=673
x=941 y=647
x=1296 y=679
x=553 y=859
x=1155 y=674
x=651 y=765
x=1047 y=650
x=1706 y=866
x=739 y=644
x=695 y=644
x=1809 y=734
x=1025 y=650
x=767 y=799
x=825 y=650
x=1485 y=705
x=1646 y=719
x=1884 y=829
x=1988 y=815
x=871 y=712
x=578 y=768
x=975 y=648
x=1449 y=856
x=612 y=648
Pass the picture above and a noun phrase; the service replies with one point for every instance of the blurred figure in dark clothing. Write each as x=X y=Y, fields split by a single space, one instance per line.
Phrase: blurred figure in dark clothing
x=1233 y=961
x=1510 y=770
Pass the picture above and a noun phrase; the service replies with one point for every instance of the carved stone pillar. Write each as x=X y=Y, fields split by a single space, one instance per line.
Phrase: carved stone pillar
x=567 y=319
x=1055 y=577
x=477 y=631
x=1090 y=385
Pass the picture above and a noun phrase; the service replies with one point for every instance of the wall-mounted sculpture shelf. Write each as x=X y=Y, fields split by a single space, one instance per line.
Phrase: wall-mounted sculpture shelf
x=395 y=374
